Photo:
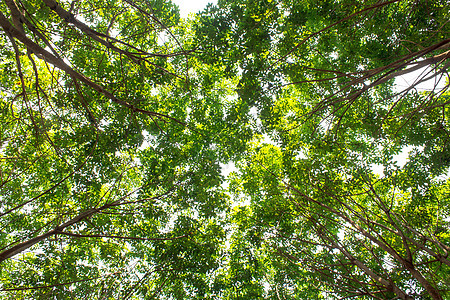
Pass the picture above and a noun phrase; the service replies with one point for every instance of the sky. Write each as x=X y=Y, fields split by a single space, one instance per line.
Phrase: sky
x=191 y=6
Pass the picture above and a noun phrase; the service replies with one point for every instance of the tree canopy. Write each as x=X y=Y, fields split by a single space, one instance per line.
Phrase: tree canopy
x=118 y=117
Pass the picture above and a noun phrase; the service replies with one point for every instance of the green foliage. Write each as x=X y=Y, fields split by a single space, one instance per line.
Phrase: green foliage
x=118 y=117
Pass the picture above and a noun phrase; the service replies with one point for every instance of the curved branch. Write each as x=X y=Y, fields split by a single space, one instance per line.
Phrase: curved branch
x=35 y=48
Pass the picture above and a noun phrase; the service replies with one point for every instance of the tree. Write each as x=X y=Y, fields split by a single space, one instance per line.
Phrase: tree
x=85 y=211
x=329 y=226
x=118 y=115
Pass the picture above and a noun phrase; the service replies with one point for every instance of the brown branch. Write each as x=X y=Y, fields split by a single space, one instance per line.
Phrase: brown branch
x=120 y=237
x=95 y=35
x=133 y=4
x=378 y=241
x=394 y=72
x=377 y=278
x=35 y=48
x=60 y=229
x=54 y=285
x=377 y=5
x=54 y=186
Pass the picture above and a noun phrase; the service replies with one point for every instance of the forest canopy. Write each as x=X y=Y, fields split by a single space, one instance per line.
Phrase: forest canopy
x=118 y=117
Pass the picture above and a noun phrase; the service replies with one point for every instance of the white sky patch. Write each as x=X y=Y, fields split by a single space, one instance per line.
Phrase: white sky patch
x=228 y=168
x=163 y=37
x=444 y=177
x=192 y=6
x=268 y=140
x=377 y=169
x=402 y=158
x=301 y=154
x=436 y=83
x=254 y=111
x=149 y=140
x=144 y=145
x=334 y=55
x=171 y=223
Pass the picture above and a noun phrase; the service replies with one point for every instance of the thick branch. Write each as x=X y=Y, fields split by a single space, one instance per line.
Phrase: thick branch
x=59 y=63
x=120 y=237
x=95 y=35
x=377 y=278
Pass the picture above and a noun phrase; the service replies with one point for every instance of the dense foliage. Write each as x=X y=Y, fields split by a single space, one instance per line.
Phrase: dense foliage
x=118 y=117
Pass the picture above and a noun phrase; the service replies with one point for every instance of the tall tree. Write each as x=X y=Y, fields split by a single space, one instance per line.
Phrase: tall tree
x=321 y=76
x=107 y=192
